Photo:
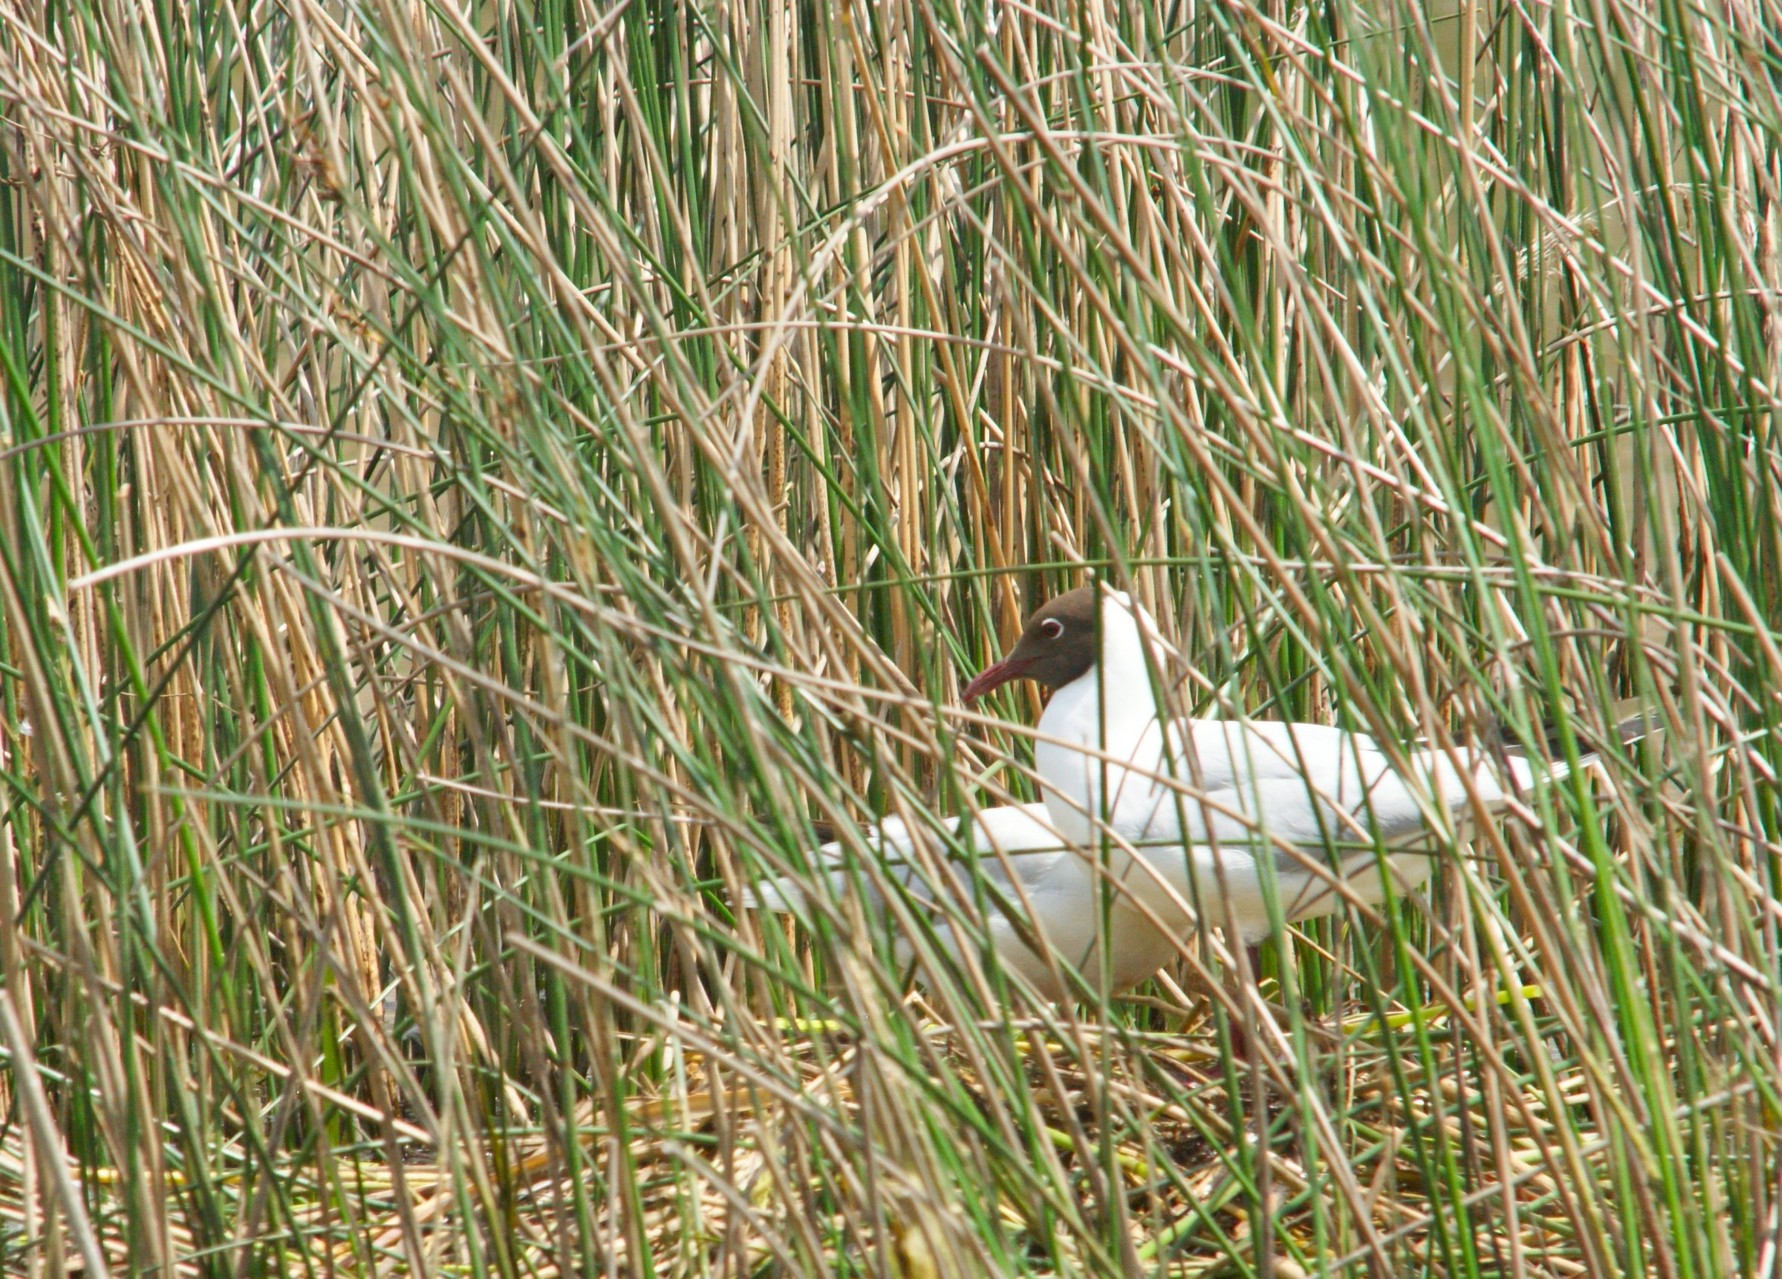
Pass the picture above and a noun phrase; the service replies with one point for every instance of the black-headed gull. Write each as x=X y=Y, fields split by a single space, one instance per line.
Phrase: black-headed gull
x=1212 y=820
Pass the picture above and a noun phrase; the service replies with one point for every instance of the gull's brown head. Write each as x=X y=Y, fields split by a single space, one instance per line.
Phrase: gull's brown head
x=1057 y=646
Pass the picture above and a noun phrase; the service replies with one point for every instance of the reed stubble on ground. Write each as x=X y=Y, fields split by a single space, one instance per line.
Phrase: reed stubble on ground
x=480 y=482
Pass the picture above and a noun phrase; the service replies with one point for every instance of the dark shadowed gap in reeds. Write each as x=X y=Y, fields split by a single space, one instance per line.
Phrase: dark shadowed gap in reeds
x=478 y=482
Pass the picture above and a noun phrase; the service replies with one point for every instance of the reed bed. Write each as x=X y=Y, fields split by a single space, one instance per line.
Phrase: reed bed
x=480 y=484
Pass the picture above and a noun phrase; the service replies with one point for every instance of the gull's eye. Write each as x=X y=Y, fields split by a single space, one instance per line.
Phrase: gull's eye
x=1051 y=628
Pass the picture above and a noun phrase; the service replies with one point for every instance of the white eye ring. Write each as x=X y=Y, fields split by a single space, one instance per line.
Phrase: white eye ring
x=1052 y=627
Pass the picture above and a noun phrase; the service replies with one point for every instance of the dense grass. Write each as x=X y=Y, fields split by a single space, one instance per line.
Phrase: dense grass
x=476 y=483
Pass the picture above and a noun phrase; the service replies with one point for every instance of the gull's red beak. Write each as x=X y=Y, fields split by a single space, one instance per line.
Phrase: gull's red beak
x=994 y=677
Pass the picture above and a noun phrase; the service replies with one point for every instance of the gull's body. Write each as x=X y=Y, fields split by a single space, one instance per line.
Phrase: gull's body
x=1202 y=805
x=1024 y=871
x=1210 y=820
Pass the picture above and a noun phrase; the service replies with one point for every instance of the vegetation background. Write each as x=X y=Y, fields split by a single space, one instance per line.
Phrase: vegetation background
x=477 y=480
